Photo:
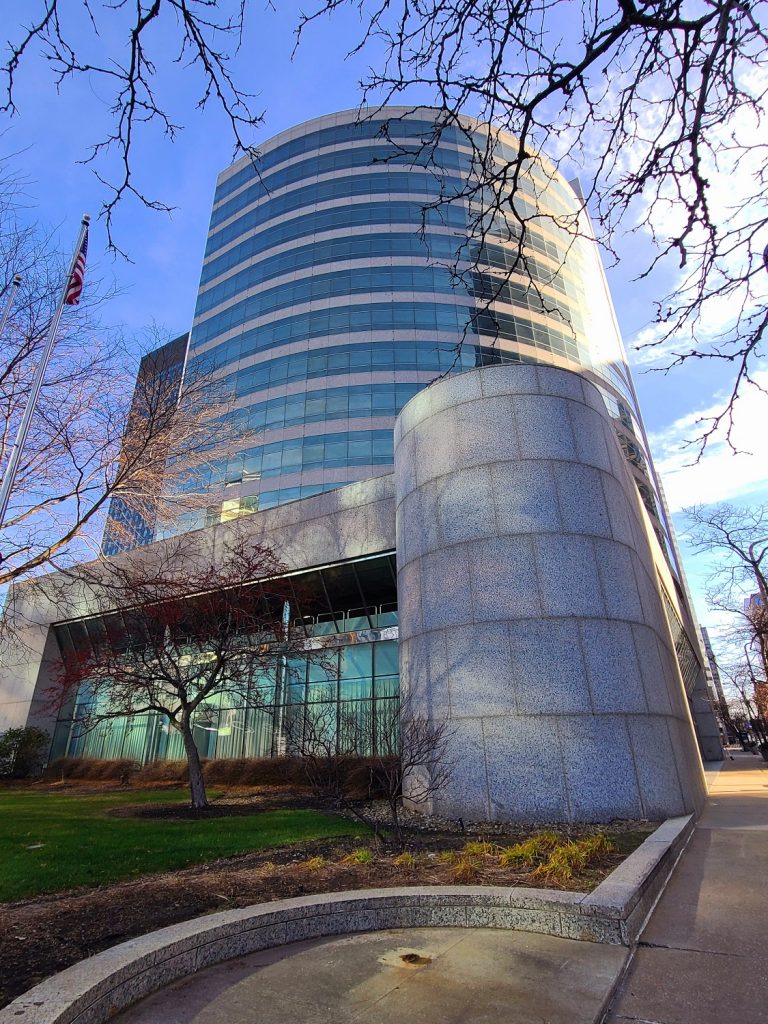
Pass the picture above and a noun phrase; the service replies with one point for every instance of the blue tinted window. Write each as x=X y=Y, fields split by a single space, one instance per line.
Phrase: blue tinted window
x=352 y=132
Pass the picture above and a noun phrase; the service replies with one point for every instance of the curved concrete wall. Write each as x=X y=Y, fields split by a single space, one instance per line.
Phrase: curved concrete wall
x=531 y=615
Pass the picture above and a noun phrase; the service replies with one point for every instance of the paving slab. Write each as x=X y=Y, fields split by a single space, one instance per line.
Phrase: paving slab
x=419 y=975
x=702 y=956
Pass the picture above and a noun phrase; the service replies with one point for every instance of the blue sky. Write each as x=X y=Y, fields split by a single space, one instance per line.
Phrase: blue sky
x=52 y=132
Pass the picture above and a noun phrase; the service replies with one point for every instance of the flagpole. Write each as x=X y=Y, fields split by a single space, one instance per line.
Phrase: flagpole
x=9 y=304
x=21 y=438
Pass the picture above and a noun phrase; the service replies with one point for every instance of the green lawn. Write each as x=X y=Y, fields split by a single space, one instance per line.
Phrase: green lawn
x=54 y=841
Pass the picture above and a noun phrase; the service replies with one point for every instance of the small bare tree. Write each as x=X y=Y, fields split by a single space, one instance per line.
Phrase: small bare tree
x=96 y=434
x=400 y=748
x=177 y=632
x=738 y=585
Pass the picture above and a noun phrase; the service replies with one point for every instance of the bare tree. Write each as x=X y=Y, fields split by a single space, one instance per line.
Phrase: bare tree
x=176 y=633
x=119 y=48
x=655 y=104
x=400 y=748
x=747 y=710
x=738 y=585
x=96 y=435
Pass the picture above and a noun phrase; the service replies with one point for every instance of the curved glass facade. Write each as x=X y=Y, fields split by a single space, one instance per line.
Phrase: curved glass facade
x=326 y=299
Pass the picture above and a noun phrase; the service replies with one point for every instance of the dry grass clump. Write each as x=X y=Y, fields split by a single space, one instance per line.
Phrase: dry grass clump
x=314 y=863
x=466 y=869
x=531 y=852
x=360 y=856
x=572 y=858
x=479 y=848
x=406 y=860
x=447 y=857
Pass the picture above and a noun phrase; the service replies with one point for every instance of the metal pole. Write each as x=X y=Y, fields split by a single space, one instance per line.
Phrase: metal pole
x=21 y=437
x=9 y=304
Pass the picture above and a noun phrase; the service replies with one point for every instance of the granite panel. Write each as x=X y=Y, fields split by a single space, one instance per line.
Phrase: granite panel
x=525 y=497
x=544 y=428
x=504 y=580
x=561 y=384
x=415 y=411
x=548 y=671
x=517 y=379
x=424 y=674
x=419 y=515
x=525 y=771
x=409 y=599
x=436 y=440
x=592 y=397
x=656 y=683
x=617 y=579
x=620 y=513
x=618 y=463
x=455 y=390
x=405 y=464
x=589 y=430
x=240 y=943
x=446 y=596
x=583 y=509
x=591 y=929
x=599 y=768
x=650 y=597
x=542 y=921
x=688 y=762
x=485 y=432
x=467 y=795
x=660 y=789
x=463 y=508
x=479 y=673
x=613 y=668
x=568 y=576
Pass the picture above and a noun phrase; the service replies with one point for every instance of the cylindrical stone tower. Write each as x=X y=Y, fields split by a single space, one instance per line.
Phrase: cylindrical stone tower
x=532 y=617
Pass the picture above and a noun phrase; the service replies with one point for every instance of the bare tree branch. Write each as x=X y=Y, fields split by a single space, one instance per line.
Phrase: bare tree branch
x=73 y=39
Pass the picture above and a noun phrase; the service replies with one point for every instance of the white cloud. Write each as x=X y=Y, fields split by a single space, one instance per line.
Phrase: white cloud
x=720 y=474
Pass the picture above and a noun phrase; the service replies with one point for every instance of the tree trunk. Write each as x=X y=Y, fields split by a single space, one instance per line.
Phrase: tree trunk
x=394 y=812
x=196 y=783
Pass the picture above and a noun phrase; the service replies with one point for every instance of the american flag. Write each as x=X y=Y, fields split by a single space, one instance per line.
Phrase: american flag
x=75 y=286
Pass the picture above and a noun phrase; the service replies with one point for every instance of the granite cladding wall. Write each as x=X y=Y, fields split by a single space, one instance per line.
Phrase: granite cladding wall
x=530 y=611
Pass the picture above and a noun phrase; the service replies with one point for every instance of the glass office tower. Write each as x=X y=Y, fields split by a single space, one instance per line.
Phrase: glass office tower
x=327 y=300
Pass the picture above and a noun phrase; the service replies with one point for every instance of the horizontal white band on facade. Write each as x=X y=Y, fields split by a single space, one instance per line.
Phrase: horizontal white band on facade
x=352 y=171
x=430 y=298
x=379 y=229
x=340 y=475
x=381 y=263
x=344 y=202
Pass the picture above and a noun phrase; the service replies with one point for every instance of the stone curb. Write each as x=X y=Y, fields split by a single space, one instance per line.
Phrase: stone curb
x=95 y=989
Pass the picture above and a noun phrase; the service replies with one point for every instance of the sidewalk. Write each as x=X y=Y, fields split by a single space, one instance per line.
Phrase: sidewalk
x=703 y=957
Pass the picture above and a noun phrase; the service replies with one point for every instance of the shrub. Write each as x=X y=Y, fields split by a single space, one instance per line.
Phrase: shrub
x=254 y=771
x=166 y=771
x=22 y=751
x=93 y=770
